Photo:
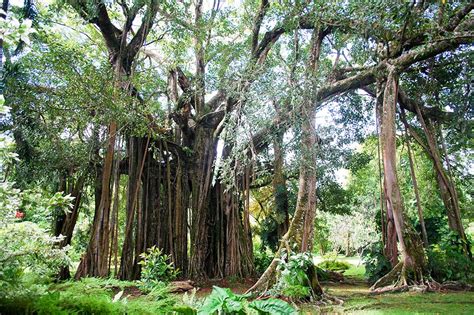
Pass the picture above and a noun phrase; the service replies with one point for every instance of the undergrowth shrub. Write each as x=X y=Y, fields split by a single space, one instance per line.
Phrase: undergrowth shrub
x=93 y=296
x=224 y=301
x=294 y=277
x=376 y=265
x=156 y=268
x=28 y=259
x=447 y=260
x=262 y=259
x=334 y=265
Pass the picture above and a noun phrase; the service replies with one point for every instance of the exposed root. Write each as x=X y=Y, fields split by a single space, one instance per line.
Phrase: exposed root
x=330 y=300
x=389 y=278
x=400 y=280
x=389 y=289
x=421 y=286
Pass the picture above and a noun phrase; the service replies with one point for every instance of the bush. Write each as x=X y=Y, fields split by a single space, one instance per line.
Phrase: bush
x=376 y=265
x=293 y=280
x=156 y=268
x=28 y=258
x=262 y=259
x=91 y=296
x=447 y=260
x=334 y=265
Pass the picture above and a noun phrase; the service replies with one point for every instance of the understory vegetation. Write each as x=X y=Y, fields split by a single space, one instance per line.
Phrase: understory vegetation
x=236 y=157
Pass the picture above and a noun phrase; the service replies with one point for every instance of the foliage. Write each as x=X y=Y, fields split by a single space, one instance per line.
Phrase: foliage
x=90 y=296
x=13 y=31
x=28 y=252
x=28 y=257
x=156 y=267
x=376 y=265
x=293 y=280
x=447 y=260
x=262 y=259
x=224 y=301
x=334 y=265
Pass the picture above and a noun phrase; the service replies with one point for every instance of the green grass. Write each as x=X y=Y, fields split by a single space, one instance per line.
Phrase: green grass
x=95 y=296
x=412 y=303
x=358 y=301
x=356 y=270
x=91 y=296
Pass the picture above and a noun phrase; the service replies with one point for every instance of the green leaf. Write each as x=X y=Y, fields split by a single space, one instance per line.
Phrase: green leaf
x=272 y=306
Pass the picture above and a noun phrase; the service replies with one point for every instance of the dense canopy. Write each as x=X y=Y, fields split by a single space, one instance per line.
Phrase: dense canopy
x=154 y=140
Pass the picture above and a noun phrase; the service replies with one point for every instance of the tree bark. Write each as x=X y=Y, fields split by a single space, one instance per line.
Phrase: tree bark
x=390 y=234
x=413 y=264
x=67 y=222
x=95 y=261
x=205 y=150
x=415 y=185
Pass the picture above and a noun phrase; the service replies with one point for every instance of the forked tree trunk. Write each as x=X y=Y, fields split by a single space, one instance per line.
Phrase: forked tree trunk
x=412 y=266
x=300 y=234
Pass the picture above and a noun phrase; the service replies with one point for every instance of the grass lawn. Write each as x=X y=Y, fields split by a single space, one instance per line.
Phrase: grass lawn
x=357 y=302
x=357 y=298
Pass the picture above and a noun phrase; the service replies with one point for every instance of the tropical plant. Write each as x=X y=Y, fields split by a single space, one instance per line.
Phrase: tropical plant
x=262 y=259
x=156 y=267
x=295 y=276
x=224 y=301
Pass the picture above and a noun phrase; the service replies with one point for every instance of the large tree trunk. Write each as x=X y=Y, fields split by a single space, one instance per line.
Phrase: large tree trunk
x=136 y=151
x=221 y=242
x=413 y=264
x=205 y=150
x=238 y=238
x=95 y=261
x=180 y=218
x=390 y=249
